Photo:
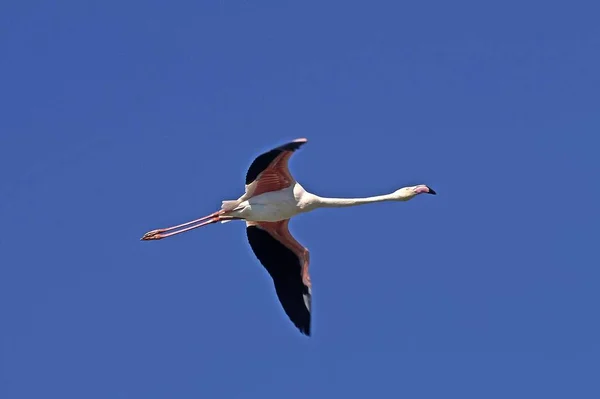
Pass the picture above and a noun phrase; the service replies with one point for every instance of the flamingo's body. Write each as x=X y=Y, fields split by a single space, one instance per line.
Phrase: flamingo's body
x=274 y=206
x=271 y=199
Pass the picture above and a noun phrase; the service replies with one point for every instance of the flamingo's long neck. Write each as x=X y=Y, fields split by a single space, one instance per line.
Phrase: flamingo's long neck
x=325 y=202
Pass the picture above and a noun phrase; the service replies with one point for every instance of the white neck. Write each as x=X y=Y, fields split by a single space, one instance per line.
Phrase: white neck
x=324 y=202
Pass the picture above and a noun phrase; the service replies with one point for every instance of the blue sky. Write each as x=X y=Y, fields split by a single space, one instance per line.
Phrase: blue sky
x=121 y=117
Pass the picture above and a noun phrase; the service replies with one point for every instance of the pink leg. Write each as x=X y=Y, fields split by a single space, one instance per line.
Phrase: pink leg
x=157 y=234
x=150 y=234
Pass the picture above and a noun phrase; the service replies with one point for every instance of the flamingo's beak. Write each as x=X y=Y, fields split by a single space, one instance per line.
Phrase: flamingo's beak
x=431 y=191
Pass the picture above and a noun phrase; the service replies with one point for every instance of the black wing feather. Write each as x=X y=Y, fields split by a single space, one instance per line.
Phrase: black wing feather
x=264 y=160
x=286 y=271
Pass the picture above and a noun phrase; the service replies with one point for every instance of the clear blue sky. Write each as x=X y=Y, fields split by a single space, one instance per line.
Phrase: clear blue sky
x=120 y=117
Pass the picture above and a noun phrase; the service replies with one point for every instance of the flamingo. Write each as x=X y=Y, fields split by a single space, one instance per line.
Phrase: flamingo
x=271 y=199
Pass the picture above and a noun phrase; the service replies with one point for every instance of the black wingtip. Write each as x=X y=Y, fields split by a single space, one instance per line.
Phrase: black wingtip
x=263 y=160
x=304 y=327
x=284 y=267
x=293 y=145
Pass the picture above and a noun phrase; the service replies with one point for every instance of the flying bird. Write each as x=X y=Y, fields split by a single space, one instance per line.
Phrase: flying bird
x=271 y=199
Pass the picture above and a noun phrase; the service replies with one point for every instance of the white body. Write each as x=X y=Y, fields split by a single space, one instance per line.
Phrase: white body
x=275 y=206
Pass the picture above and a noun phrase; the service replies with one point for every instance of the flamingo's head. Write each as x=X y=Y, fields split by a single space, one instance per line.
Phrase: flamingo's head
x=406 y=193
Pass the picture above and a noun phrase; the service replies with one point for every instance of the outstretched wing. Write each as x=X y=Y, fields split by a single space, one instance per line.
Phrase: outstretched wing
x=287 y=263
x=269 y=171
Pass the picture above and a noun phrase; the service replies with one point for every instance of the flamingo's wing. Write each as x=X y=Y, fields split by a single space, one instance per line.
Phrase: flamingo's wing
x=269 y=171
x=287 y=263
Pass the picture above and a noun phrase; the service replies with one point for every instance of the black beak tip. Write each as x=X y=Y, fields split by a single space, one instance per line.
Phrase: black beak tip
x=431 y=190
